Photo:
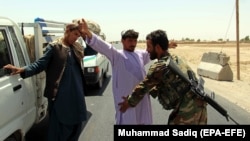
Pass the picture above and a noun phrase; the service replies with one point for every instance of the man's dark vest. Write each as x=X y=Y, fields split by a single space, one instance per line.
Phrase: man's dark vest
x=55 y=70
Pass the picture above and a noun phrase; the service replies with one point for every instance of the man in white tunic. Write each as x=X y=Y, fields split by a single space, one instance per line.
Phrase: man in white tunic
x=127 y=71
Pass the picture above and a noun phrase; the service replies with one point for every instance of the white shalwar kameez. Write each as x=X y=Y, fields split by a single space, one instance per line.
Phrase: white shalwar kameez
x=127 y=71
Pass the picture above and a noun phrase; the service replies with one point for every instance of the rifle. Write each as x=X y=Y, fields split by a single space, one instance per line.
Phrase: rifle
x=197 y=87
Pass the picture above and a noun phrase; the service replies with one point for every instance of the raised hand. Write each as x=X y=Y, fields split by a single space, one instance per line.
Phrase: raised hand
x=172 y=44
x=83 y=27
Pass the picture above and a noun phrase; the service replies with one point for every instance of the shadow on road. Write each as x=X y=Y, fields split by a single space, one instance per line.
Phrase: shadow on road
x=93 y=91
x=39 y=131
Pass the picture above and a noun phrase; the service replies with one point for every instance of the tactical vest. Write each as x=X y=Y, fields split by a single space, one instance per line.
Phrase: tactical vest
x=172 y=88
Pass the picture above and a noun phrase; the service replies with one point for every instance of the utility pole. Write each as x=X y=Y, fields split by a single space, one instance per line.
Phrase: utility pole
x=237 y=40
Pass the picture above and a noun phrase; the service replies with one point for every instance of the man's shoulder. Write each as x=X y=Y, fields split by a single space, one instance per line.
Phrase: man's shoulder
x=157 y=66
x=181 y=62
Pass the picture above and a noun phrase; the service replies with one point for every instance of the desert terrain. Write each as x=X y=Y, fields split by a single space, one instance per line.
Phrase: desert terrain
x=238 y=90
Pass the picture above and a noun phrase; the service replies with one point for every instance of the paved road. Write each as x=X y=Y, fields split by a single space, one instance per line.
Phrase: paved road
x=101 y=115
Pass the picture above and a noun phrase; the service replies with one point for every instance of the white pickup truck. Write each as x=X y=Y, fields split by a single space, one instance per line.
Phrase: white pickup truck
x=22 y=103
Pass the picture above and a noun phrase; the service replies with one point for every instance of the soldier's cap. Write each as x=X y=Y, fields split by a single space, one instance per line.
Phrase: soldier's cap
x=130 y=33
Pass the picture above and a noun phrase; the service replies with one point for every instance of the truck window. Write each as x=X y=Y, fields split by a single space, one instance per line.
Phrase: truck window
x=4 y=54
x=89 y=51
x=17 y=47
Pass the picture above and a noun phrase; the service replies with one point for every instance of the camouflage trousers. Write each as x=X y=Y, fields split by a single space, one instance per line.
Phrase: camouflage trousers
x=191 y=110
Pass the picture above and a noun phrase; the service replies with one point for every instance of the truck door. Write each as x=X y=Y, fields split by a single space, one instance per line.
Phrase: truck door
x=17 y=104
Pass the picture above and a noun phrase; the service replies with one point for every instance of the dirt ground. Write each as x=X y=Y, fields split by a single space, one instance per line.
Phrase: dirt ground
x=236 y=91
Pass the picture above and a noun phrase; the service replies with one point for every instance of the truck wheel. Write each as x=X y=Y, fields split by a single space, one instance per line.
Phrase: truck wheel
x=100 y=83
x=105 y=75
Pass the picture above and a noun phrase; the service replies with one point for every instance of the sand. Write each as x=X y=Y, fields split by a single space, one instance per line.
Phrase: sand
x=236 y=91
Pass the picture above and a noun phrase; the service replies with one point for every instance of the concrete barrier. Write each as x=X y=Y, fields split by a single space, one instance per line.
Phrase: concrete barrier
x=215 y=66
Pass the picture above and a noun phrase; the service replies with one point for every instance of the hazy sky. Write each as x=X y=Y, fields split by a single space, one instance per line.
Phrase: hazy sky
x=194 y=19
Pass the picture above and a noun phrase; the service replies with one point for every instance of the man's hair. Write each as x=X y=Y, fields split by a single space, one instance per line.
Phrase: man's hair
x=129 y=34
x=158 y=37
x=72 y=27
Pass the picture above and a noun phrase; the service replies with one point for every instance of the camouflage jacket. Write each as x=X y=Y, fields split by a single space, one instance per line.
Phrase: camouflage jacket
x=163 y=83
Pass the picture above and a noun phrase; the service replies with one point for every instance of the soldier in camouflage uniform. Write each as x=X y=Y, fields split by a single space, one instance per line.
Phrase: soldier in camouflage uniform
x=168 y=86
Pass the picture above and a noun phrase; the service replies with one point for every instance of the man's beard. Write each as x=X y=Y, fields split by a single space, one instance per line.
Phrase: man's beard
x=153 y=55
x=131 y=49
